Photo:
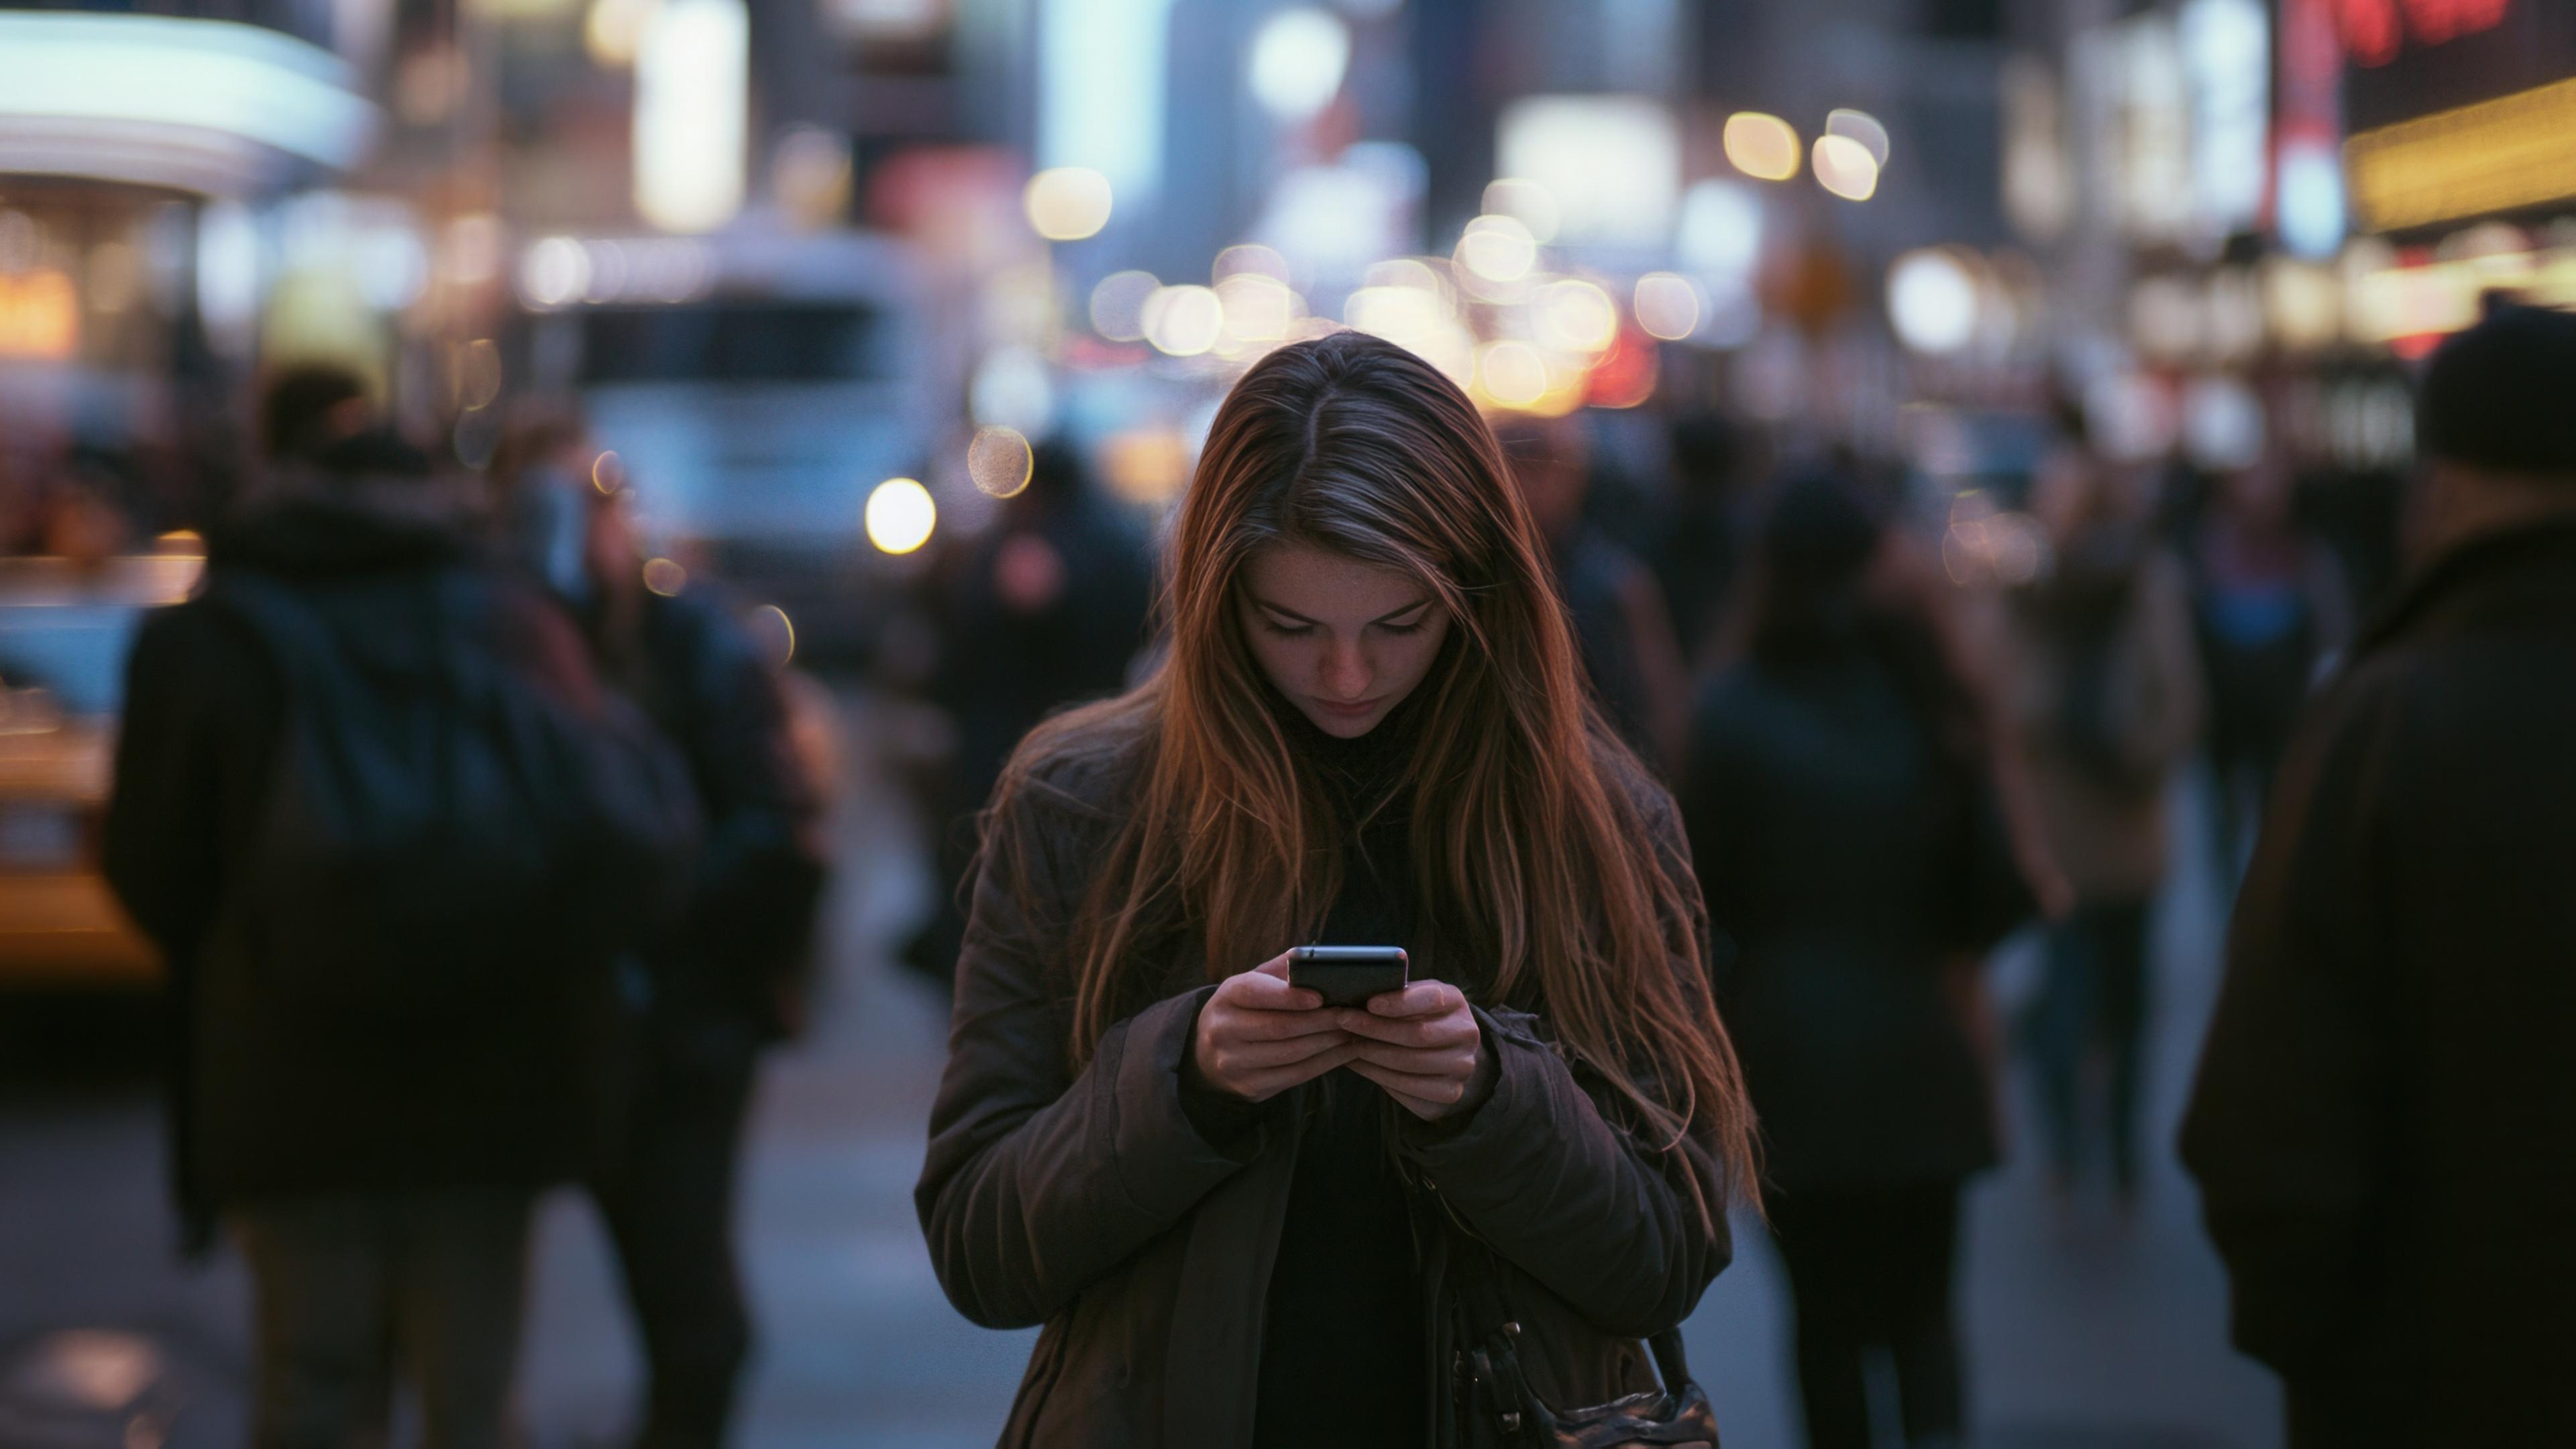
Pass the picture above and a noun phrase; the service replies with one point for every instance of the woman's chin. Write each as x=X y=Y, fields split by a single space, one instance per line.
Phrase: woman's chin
x=1345 y=726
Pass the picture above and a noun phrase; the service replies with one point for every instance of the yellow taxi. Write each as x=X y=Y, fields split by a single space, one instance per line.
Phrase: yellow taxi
x=65 y=630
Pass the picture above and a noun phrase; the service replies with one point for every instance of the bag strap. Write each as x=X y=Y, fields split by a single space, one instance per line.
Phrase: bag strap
x=1672 y=1365
x=1494 y=1348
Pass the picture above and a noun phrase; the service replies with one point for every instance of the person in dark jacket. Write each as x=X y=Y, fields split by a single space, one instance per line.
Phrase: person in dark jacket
x=729 y=975
x=1840 y=804
x=1249 y=1219
x=1699 y=544
x=1623 y=628
x=1047 y=610
x=2385 y=1103
x=375 y=1144
x=2268 y=607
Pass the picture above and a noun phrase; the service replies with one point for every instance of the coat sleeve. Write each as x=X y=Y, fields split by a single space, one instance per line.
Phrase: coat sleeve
x=1041 y=1178
x=200 y=705
x=2292 y=1124
x=1547 y=1172
x=753 y=898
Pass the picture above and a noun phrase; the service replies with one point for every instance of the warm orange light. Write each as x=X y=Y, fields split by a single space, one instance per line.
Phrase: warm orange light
x=1761 y=146
x=39 y=315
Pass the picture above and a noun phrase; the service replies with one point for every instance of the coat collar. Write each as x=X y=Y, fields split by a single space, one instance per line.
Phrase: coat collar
x=2537 y=558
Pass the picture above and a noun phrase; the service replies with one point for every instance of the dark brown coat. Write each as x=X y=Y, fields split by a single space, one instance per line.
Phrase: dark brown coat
x=2383 y=1120
x=1086 y=1201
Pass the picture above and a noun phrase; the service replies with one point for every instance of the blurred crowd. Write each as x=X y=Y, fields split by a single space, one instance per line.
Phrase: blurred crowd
x=1888 y=761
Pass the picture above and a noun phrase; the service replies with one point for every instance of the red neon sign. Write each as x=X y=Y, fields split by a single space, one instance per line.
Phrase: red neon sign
x=2373 y=31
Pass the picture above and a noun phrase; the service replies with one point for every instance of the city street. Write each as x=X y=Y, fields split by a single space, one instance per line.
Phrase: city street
x=2086 y=1332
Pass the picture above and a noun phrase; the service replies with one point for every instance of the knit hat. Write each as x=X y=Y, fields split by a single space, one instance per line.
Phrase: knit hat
x=2496 y=395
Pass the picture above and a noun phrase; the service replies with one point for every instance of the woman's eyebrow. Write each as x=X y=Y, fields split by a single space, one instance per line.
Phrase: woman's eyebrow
x=1386 y=618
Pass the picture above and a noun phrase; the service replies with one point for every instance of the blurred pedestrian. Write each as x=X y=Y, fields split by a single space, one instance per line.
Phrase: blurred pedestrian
x=1621 y=624
x=730 y=975
x=1369 y=730
x=2381 y=1123
x=2269 y=606
x=1699 y=544
x=1046 y=610
x=1842 y=808
x=2106 y=699
x=390 y=835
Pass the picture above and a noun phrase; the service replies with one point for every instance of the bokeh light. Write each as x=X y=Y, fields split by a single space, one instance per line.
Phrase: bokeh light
x=1184 y=321
x=1253 y=259
x=1845 y=168
x=554 y=272
x=665 y=577
x=1761 y=146
x=1862 y=127
x=900 y=515
x=1576 y=316
x=1720 y=230
x=1529 y=203
x=692 y=114
x=1011 y=389
x=1667 y=305
x=1932 y=301
x=1118 y=305
x=1512 y=373
x=1258 y=308
x=1299 y=57
x=999 y=461
x=776 y=634
x=476 y=373
x=1067 y=203
x=614 y=30
x=1497 y=248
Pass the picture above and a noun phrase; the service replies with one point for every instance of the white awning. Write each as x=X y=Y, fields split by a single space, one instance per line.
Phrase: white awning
x=209 y=106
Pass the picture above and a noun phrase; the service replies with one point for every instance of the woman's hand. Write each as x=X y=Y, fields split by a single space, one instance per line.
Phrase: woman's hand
x=1422 y=1045
x=1258 y=1036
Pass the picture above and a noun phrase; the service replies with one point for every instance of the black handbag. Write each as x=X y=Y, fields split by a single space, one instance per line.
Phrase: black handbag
x=1677 y=1415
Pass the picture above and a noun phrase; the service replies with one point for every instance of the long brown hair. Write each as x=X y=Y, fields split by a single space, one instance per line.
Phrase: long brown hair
x=1535 y=856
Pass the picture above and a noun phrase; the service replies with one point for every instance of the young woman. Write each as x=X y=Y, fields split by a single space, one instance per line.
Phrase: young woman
x=1841 y=800
x=1243 y=1216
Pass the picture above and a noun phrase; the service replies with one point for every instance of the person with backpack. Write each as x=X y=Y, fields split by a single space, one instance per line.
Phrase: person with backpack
x=1469 y=1200
x=392 y=836
x=2104 y=694
x=729 y=976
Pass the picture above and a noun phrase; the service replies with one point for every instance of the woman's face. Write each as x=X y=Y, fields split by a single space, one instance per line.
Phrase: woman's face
x=1346 y=641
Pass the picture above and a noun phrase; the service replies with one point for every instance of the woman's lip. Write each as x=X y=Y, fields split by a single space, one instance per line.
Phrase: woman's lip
x=1353 y=710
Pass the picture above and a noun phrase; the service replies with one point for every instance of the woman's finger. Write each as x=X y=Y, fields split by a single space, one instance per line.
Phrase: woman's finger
x=1422 y=998
x=1270 y=1082
x=1419 y=1031
x=1260 y=990
x=1444 y=1063
x=1265 y=1024
x=1233 y=1059
x=1422 y=1096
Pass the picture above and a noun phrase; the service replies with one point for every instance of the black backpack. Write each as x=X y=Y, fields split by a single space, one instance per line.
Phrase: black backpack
x=444 y=834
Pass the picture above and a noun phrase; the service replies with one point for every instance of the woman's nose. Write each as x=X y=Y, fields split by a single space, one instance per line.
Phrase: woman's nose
x=1346 y=671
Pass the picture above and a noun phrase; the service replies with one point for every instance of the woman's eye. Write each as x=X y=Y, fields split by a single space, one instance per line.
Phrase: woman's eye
x=1401 y=629
x=1288 y=631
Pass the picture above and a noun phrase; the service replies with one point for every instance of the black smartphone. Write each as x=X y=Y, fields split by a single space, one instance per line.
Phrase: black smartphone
x=1348 y=975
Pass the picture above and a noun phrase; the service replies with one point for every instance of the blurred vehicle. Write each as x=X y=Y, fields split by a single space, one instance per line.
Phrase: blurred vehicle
x=755 y=387
x=64 y=633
